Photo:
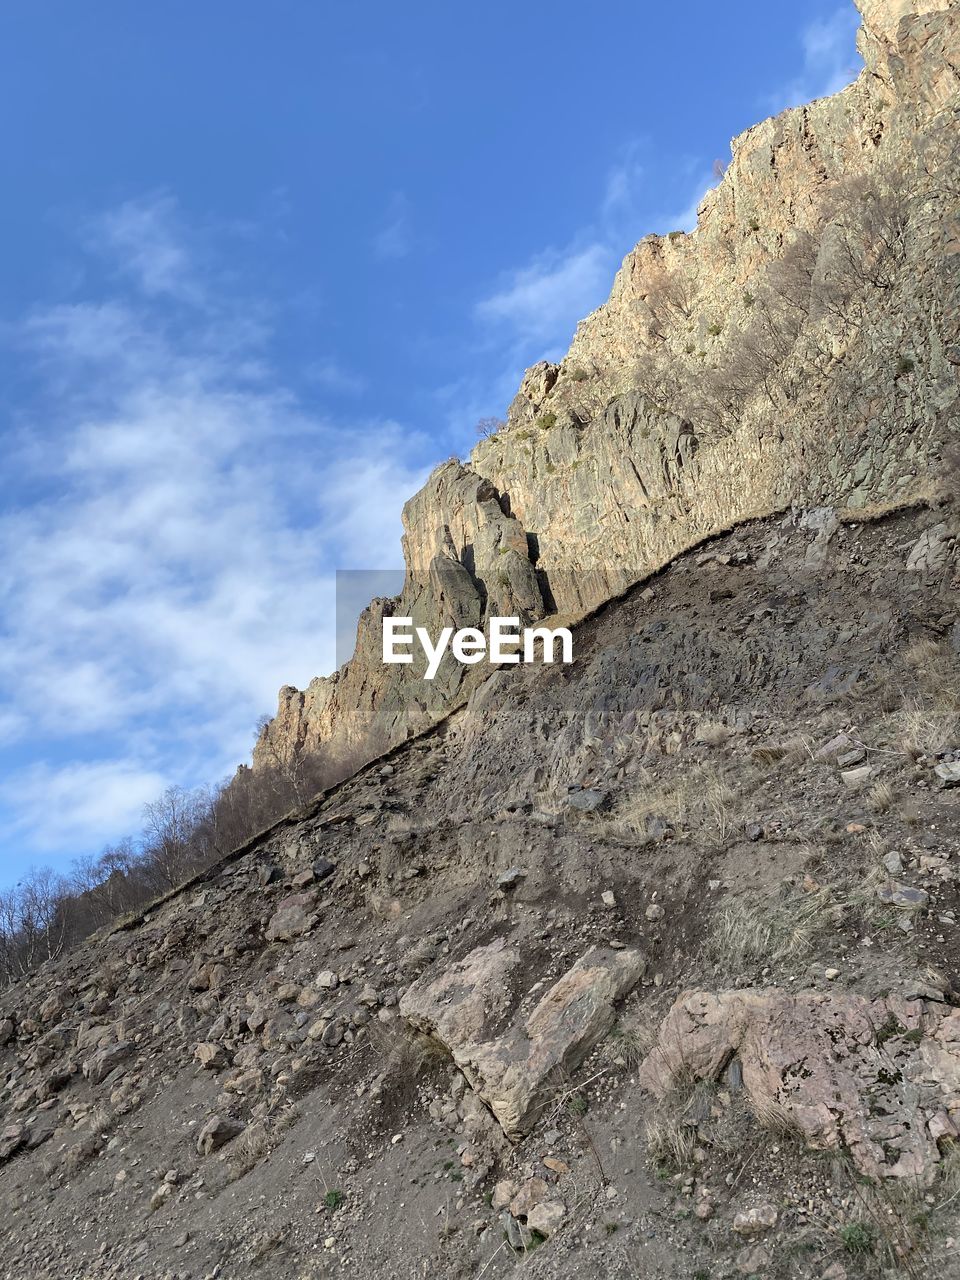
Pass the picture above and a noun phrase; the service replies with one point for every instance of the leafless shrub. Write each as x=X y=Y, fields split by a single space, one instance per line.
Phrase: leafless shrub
x=658 y=375
x=869 y=217
x=669 y=298
x=184 y=832
x=487 y=427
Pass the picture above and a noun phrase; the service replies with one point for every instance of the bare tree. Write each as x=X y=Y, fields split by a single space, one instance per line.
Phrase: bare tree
x=170 y=845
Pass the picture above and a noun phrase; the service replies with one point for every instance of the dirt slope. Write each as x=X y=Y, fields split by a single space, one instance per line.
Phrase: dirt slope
x=231 y=1086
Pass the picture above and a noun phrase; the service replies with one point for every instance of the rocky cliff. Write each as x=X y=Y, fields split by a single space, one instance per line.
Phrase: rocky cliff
x=800 y=346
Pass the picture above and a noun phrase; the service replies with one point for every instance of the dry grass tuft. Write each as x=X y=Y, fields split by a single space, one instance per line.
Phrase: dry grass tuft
x=922 y=728
x=257 y=1141
x=630 y=1041
x=880 y=797
x=248 y=1150
x=793 y=750
x=700 y=796
x=671 y=1127
x=749 y=933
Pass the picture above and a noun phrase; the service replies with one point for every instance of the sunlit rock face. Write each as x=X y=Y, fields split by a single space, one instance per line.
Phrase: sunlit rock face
x=801 y=345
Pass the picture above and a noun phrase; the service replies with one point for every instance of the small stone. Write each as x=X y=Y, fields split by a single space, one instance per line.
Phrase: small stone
x=532 y=1192
x=547 y=1218
x=293 y=918
x=896 y=894
x=97 y=1068
x=503 y=1193
x=518 y=1236
x=752 y=1260
x=942 y=1126
x=855 y=778
x=216 y=1133
x=332 y=1035
x=509 y=879
x=327 y=980
x=831 y=973
x=654 y=911
x=586 y=799
x=893 y=862
x=949 y=773
x=832 y=748
x=750 y=1222
x=161 y=1195
x=12 y=1137
x=608 y=898
x=836 y=1271
x=268 y=873
x=211 y=1056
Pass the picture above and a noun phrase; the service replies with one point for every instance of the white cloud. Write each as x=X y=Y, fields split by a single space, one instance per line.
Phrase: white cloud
x=830 y=60
x=685 y=217
x=75 y=803
x=174 y=564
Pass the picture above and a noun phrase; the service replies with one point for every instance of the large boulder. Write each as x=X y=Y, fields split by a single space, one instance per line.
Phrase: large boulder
x=513 y=1070
x=294 y=917
x=468 y=1002
x=97 y=1068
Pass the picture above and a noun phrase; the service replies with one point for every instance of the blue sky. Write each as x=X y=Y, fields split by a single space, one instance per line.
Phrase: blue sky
x=263 y=266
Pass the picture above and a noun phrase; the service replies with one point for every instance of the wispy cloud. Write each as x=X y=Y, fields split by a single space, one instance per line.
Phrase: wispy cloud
x=144 y=238
x=534 y=309
x=830 y=60
x=540 y=301
x=173 y=564
x=332 y=375
x=76 y=803
x=395 y=237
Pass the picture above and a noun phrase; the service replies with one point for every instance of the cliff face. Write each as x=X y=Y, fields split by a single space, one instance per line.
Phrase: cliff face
x=801 y=345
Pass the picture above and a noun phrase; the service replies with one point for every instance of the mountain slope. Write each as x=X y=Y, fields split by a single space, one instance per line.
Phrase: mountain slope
x=238 y=1084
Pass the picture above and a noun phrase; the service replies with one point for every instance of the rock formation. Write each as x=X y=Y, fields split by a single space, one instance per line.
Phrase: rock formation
x=589 y=976
x=801 y=345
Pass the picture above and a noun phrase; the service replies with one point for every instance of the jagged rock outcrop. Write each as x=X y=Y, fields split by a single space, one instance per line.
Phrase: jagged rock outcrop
x=512 y=1071
x=802 y=344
